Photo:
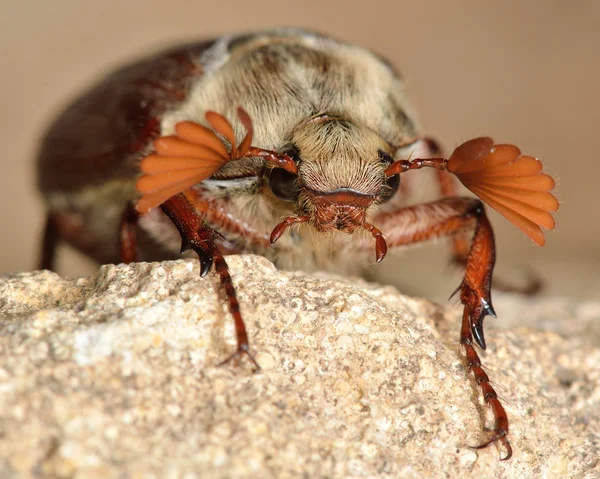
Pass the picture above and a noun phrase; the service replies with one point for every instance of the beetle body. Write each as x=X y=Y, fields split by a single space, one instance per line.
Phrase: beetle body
x=339 y=104
x=320 y=135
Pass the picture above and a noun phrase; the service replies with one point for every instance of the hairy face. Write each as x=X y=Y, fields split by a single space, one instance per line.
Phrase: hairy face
x=341 y=173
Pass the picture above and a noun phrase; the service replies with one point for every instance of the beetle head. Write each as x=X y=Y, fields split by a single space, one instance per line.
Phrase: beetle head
x=341 y=173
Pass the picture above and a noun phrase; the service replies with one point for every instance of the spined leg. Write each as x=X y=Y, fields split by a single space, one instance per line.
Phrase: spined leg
x=198 y=236
x=449 y=187
x=219 y=213
x=448 y=217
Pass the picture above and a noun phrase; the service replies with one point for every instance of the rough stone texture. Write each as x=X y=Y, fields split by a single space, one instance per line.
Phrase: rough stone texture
x=116 y=376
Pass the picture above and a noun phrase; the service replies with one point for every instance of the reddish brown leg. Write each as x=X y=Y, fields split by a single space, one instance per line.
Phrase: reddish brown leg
x=217 y=213
x=448 y=186
x=128 y=245
x=198 y=236
x=460 y=245
x=49 y=243
x=448 y=217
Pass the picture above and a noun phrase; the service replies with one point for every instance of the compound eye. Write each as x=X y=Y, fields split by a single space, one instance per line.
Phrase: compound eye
x=392 y=183
x=391 y=188
x=283 y=184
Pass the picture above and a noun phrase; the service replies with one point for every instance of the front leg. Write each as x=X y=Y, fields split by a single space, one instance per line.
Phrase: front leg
x=198 y=236
x=448 y=217
x=448 y=187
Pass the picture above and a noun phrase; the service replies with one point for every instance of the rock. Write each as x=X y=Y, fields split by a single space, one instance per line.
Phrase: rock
x=117 y=375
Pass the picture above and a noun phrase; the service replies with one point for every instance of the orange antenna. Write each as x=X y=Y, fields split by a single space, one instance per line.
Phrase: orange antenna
x=511 y=183
x=190 y=156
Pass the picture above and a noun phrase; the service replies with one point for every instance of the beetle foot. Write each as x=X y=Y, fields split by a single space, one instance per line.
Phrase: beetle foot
x=242 y=350
x=500 y=435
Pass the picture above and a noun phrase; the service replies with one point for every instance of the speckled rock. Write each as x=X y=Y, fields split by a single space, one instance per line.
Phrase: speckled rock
x=117 y=375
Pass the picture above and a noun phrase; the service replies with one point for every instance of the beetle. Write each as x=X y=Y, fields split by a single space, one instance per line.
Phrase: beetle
x=207 y=147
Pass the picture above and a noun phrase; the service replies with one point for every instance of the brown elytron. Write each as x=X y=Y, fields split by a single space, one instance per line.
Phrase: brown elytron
x=511 y=183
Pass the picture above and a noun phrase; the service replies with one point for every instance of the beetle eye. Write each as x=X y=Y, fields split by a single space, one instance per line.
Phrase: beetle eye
x=283 y=184
x=391 y=188
x=385 y=157
x=292 y=151
x=392 y=183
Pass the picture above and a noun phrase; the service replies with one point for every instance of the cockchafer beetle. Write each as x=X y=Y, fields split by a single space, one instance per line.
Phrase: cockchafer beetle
x=321 y=133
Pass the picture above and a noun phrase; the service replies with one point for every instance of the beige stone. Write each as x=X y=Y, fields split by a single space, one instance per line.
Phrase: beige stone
x=116 y=375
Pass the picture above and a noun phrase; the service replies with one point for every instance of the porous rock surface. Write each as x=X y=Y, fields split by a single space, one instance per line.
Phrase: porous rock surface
x=117 y=375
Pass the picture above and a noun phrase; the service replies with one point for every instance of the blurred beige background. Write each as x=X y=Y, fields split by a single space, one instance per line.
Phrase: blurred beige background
x=523 y=72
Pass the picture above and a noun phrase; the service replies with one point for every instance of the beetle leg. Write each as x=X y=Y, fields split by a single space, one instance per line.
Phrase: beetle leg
x=128 y=244
x=198 y=236
x=448 y=217
x=217 y=213
x=449 y=187
x=49 y=243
